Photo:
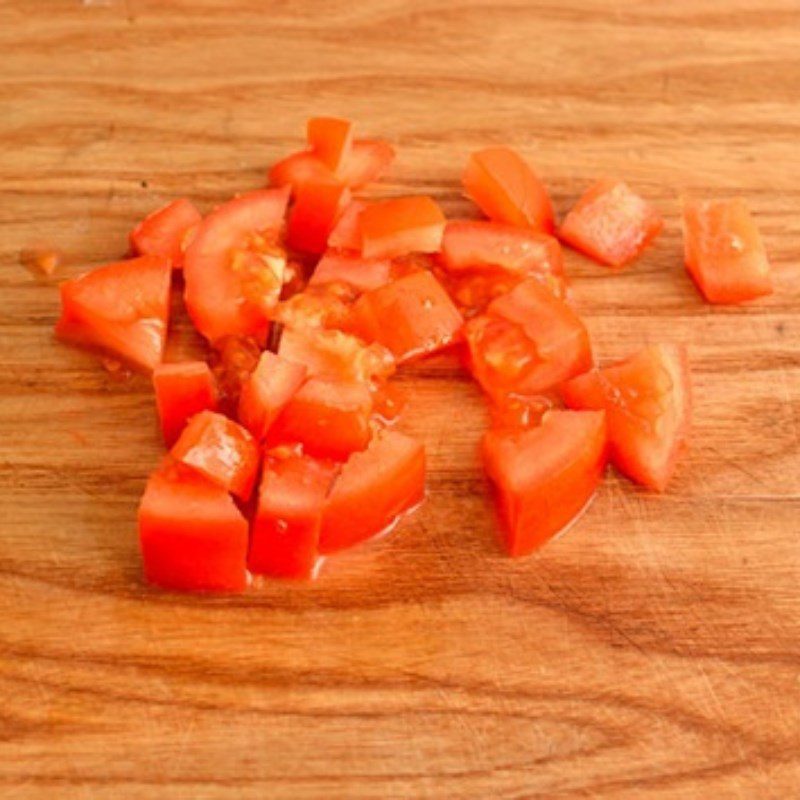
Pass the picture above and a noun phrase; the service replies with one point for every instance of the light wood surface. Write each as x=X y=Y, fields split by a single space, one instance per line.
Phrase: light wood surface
x=653 y=652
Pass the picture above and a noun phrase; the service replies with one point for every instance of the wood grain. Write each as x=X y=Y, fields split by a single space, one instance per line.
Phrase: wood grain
x=654 y=652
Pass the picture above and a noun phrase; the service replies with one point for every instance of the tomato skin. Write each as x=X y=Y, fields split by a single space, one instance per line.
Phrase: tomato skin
x=192 y=536
x=182 y=390
x=313 y=216
x=506 y=189
x=647 y=400
x=545 y=476
x=273 y=383
x=526 y=342
x=234 y=266
x=284 y=540
x=331 y=140
x=346 y=234
x=221 y=450
x=363 y=274
x=723 y=251
x=163 y=232
x=611 y=223
x=412 y=316
x=392 y=228
x=121 y=308
x=373 y=488
x=369 y=160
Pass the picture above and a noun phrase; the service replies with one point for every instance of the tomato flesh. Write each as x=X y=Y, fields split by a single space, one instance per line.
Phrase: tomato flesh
x=647 y=400
x=545 y=476
x=319 y=305
x=723 y=251
x=331 y=140
x=373 y=488
x=182 y=390
x=369 y=160
x=165 y=231
x=312 y=218
x=346 y=234
x=393 y=228
x=363 y=274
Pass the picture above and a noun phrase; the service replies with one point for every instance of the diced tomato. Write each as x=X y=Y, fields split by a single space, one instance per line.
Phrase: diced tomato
x=121 y=308
x=232 y=360
x=519 y=413
x=389 y=401
x=361 y=273
x=182 y=390
x=372 y=490
x=507 y=190
x=329 y=418
x=412 y=316
x=406 y=225
x=527 y=342
x=611 y=223
x=346 y=235
x=724 y=252
x=334 y=355
x=192 y=536
x=221 y=450
x=325 y=305
x=284 y=540
x=312 y=218
x=331 y=140
x=234 y=267
x=368 y=161
x=647 y=400
x=267 y=391
x=164 y=231
x=545 y=476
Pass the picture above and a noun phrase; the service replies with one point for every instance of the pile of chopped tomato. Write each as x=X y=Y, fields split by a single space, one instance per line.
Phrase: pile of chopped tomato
x=282 y=445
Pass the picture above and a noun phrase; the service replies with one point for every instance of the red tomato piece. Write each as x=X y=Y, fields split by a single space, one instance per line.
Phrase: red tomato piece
x=299 y=169
x=361 y=273
x=284 y=541
x=331 y=140
x=274 y=382
x=611 y=223
x=527 y=342
x=647 y=400
x=368 y=161
x=723 y=250
x=329 y=418
x=192 y=536
x=221 y=450
x=372 y=490
x=412 y=316
x=312 y=218
x=545 y=476
x=346 y=235
x=234 y=267
x=325 y=305
x=182 y=390
x=519 y=413
x=506 y=189
x=121 y=308
x=388 y=402
x=164 y=231
x=396 y=227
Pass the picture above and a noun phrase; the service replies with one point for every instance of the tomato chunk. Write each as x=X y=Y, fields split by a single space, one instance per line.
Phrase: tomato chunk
x=319 y=305
x=314 y=214
x=331 y=140
x=723 y=251
x=412 y=316
x=368 y=161
x=273 y=383
x=182 y=390
x=516 y=412
x=166 y=231
x=299 y=169
x=121 y=308
x=284 y=541
x=527 y=342
x=329 y=418
x=361 y=273
x=393 y=228
x=346 y=234
x=192 y=536
x=234 y=267
x=647 y=400
x=372 y=490
x=545 y=476
x=221 y=450
x=506 y=189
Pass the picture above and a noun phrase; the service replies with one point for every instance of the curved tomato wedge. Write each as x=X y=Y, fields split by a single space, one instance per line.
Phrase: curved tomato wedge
x=346 y=234
x=393 y=228
x=372 y=490
x=611 y=223
x=724 y=252
x=166 y=231
x=221 y=450
x=506 y=189
x=284 y=541
x=361 y=273
x=545 y=476
x=369 y=160
x=312 y=218
x=234 y=267
x=121 y=308
x=182 y=390
x=527 y=342
x=331 y=140
x=192 y=536
x=647 y=400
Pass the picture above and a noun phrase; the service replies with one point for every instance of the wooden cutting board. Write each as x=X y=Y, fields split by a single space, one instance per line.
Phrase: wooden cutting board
x=653 y=652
